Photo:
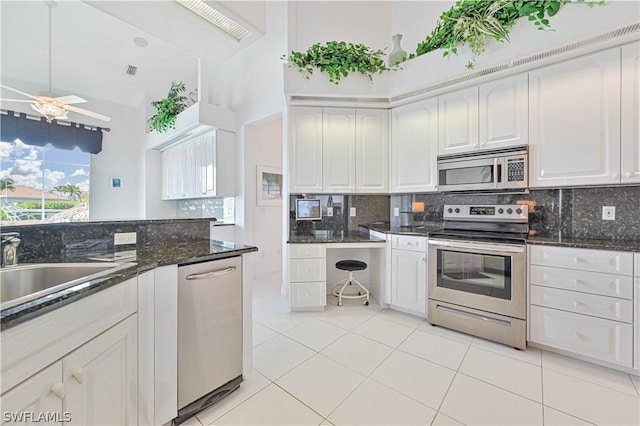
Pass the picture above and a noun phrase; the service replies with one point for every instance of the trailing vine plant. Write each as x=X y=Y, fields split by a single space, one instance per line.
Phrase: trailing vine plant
x=338 y=59
x=167 y=109
x=474 y=22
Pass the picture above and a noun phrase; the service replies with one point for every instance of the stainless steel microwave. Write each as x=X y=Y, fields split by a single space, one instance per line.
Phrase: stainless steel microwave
x=487 y=170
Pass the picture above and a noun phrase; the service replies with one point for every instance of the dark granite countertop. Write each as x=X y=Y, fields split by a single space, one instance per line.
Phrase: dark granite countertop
x=421 y=231
x=146 y=258
x=618 y=245
x=333 y=237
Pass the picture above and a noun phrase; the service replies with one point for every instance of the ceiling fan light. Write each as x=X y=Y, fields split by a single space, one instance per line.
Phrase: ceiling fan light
x=50 y=111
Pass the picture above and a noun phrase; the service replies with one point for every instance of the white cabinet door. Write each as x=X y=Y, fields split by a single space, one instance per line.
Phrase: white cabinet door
x=40 y=394
x=504 y=115
x=574 y=117
x=101 y=378
x=409 y=280
x=338 y=150
x=414 y=147
x=631 y=113
x=458 y=121
x=305 y=150
x=372 y=151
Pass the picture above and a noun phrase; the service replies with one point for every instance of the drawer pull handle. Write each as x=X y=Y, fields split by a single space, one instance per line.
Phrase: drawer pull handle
x=578 y=336
x=78 y=374
x=577 y=281
x=576 y=260
x=576 y=303
x=58 y=390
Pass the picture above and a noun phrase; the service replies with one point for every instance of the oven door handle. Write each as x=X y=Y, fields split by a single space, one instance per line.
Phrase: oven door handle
x=481 y=247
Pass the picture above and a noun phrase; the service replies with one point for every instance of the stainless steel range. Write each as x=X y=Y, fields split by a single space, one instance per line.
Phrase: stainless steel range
x=477 y=272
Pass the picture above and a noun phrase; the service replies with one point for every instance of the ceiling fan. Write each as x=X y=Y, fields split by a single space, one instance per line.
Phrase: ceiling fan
x=53 y=107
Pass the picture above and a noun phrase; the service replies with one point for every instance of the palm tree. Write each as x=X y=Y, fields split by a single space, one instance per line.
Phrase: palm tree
x=72 y=192
x=7 y=183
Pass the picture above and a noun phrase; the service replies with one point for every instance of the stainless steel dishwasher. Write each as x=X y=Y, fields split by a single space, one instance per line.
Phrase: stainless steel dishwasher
x=209 y=333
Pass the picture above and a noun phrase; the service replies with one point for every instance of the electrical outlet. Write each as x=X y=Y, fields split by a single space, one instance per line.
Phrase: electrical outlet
x=608 y=213
x=396 y=211
x=123 y=238
x=329 y=211
x=352 y=211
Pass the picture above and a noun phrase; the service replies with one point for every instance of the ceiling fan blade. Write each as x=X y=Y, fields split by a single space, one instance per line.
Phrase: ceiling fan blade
x=85 y=112
x=70 y=99
x=16 y=100
x=18 y=92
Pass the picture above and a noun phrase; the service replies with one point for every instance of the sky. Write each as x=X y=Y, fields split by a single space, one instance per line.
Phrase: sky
x=25 y=164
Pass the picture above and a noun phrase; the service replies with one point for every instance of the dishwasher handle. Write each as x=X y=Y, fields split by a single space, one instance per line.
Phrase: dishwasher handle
x=212 y=274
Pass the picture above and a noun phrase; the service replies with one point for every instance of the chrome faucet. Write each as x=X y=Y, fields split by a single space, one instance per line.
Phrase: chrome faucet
x=10 y=242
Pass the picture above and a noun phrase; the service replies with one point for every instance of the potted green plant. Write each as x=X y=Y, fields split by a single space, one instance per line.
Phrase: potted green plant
x=167 y=109
x=338 y=59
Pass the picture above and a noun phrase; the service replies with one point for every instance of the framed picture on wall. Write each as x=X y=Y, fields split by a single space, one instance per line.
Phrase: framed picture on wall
x=115 y=182
x=269 y=186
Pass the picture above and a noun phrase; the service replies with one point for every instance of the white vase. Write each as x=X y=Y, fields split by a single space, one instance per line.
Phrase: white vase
x=397 y=54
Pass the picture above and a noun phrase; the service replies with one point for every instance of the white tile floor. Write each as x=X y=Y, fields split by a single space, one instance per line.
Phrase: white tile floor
x=368 y=366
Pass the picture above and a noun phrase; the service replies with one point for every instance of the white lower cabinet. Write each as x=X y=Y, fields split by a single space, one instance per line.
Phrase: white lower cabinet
x=75 y=365
x=307 y=277
x=41 y=393
x=582 y=302
x=409 y=275
x=605 y=340
x=101 y=378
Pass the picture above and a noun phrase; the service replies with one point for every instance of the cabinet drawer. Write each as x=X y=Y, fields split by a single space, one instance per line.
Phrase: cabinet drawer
x=407 y=242
x=602 y=339
x=307 y=294
x=582 y=303
x=587 y=282
x=307 y=270
x=300 y=251
x=582 y=259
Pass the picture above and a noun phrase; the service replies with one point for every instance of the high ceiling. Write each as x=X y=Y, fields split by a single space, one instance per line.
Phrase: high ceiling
x=93 y=44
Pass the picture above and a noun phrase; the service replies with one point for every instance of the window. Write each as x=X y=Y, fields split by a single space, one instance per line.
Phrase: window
x=43 y=184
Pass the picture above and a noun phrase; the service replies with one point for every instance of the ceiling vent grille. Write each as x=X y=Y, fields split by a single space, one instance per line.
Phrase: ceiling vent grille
x=591 y=41
x=131 y=70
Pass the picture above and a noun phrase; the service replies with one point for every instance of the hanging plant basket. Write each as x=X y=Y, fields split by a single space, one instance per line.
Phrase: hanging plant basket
x=168 y=109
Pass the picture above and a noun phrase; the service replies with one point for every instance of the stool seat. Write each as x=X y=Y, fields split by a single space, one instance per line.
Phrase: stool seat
x=351 y=265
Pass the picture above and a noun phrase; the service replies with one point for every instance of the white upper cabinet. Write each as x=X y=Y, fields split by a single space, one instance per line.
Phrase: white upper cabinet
x=458 y=121
x=305 y=149
x=414 y=147
x=631 y=113
x=201 y=167
x=338 y=150
x=503 y=109
x=372 y=151
x=574 y=110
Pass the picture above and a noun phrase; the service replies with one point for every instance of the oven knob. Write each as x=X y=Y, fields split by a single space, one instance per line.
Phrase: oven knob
x=457 y=210
x=509 y=211
x=450 y=210
x=500 y=211
x=519 y=211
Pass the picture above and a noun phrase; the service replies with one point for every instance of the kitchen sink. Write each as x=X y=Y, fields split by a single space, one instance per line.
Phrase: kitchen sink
x=22 y=283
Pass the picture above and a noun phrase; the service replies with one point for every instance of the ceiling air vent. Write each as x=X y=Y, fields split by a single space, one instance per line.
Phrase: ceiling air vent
x=131 y=70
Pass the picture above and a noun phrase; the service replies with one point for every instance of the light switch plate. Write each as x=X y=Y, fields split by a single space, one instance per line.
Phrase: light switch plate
x=122 y=238
x=329 y=211
x=352 y=211
x=608 y=212
x=396 y=211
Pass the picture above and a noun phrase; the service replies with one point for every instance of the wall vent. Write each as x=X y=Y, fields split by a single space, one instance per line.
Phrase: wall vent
x=131 y=70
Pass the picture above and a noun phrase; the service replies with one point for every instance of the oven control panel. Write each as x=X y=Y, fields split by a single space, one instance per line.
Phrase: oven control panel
x=492 y=213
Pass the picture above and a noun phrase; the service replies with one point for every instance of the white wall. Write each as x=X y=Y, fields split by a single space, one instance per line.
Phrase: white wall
x=351 y=21
x=120 y=155
x=264 y=148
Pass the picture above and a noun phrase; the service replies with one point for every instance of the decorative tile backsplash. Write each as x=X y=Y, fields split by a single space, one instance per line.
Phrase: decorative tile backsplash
x=220 y=208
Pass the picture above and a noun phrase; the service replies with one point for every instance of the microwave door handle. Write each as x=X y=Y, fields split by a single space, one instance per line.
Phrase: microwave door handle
x=496 y=172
